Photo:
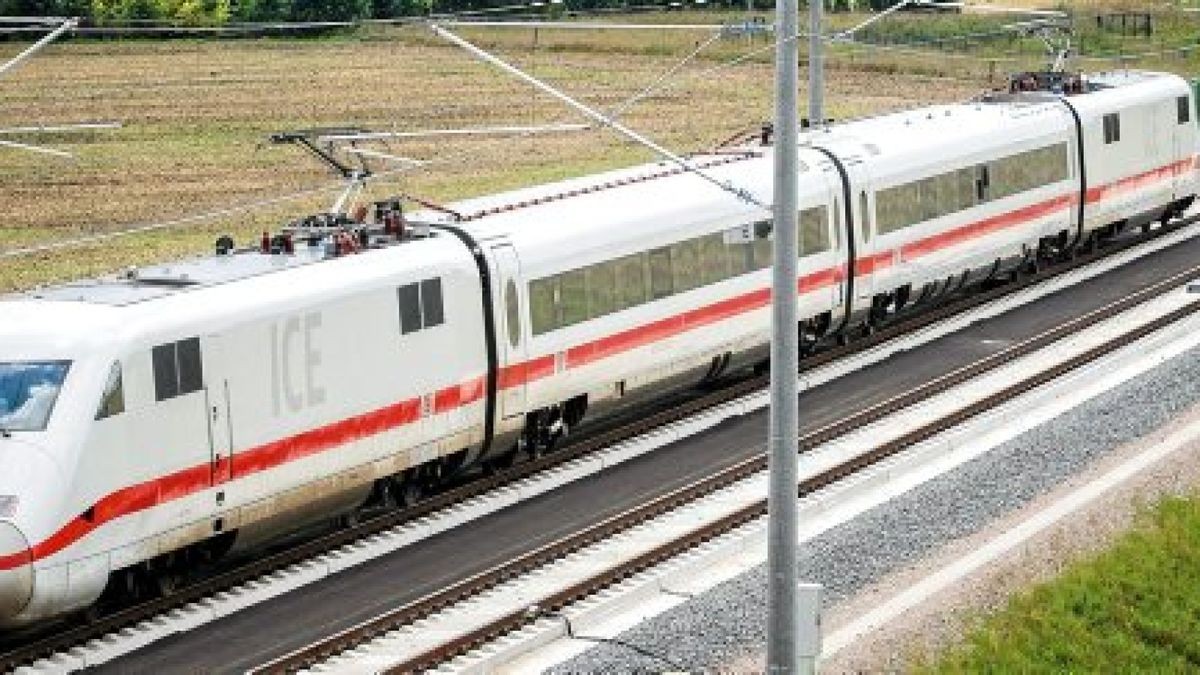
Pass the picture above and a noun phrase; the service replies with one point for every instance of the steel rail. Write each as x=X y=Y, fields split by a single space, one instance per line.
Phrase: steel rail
x=358 y=635
x=603 y=435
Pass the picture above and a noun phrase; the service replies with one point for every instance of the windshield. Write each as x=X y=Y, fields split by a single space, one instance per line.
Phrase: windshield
x=28 y=391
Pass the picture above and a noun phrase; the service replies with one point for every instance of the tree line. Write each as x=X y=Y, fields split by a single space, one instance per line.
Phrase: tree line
x=214 y=12
x=220 y=12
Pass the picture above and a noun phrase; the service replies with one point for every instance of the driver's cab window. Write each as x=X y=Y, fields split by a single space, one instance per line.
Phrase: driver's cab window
x=112 y=402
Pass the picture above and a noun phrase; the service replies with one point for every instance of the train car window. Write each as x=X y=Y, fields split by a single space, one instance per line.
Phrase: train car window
x=177 y=368
x=573 y=298
x=166 y=372
x=740 y=256
x=1112 y=128
x=1005 y=180
x=409 y=297
x=714 y=260
x=864 y=216
x=910 y=210
x=947 y=192
x=512 y=314
x=602 y=289
x=965 y=189
x=1184 y=106
x=112 y=401
x=661 y=284
x=542 y=312
x=932 y=200
x=885 y=210
x=685 y=265
x=1029 y=170
x=1049 y=164
x=837 y=223
x=191 y=371
x=631 y=280
x=900 y=206
x=895 y=207
x=814 y=231
x=432 y=311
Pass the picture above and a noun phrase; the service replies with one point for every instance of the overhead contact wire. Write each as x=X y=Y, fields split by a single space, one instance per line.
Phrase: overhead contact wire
x=600 y=118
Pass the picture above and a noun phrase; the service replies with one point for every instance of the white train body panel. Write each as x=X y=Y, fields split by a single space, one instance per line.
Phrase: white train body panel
x=253 y=400
x=1154 y=160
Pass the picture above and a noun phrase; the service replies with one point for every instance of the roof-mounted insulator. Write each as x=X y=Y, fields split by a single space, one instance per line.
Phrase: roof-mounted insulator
x=282 y=243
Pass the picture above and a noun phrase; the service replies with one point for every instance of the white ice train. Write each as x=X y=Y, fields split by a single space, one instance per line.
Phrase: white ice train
x=181 y=410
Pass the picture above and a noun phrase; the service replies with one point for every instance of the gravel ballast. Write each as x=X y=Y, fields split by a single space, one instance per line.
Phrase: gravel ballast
x=727 y=624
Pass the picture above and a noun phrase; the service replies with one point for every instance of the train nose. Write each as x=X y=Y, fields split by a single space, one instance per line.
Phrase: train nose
x=16 y=572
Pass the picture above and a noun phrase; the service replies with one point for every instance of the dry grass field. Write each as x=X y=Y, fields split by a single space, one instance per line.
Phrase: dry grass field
x=196 y=115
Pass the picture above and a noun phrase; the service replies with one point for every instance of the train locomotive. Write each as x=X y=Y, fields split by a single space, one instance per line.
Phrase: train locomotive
x=177 y=412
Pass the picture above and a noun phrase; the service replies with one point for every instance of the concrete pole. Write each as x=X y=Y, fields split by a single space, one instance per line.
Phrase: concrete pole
x=783 y=436
x=816 y=65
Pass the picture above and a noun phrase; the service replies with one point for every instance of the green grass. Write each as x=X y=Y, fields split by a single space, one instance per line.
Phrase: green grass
x=1132 y=608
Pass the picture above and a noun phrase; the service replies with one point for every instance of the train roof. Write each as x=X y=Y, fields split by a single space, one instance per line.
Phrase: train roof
x=632 y=206
x=158 y=281
x=628 y=203
x=307 y=278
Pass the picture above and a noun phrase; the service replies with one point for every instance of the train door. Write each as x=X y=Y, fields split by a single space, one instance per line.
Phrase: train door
x=1175 y=145
x=1181 y=133
x=216 y=393
x=833 y=185
x=510 y=338
x=863 y=209
x=1152 y=145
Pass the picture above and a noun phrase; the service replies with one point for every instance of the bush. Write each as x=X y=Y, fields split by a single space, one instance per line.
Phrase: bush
x=330 y=10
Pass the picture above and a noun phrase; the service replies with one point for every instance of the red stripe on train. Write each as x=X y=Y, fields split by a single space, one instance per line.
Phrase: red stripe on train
x=984 y=227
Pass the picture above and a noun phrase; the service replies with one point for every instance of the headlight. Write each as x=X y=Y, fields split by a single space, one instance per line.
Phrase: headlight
x=8 y=505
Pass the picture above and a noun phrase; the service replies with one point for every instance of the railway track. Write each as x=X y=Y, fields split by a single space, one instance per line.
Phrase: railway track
x=423 y=612
x=72 y=637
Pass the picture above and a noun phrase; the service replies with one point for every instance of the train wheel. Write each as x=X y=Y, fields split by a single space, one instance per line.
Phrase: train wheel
x=501 y=462
x=166 y=582
x=903 y=296
x=409 y=493
x=93 y=613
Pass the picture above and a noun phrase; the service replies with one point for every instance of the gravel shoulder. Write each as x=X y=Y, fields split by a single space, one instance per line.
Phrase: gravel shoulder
x=865 y=560
x=944 y=618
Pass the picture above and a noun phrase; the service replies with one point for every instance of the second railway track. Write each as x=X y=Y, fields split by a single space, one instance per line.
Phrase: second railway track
x=29 y=653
